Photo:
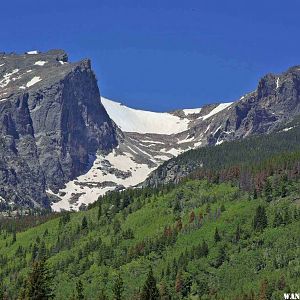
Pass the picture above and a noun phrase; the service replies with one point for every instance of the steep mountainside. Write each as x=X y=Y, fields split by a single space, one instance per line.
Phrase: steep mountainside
x=51 y=121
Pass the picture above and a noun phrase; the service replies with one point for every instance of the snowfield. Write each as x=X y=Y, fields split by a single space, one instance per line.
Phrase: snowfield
x=85 y=186
x=134 y=120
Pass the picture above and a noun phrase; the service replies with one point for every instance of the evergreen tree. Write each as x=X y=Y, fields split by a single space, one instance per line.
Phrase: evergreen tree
x=118 y=287
x=283 y=190
x=14 y=239
x=150 y=291
x=205 y=249
x=84 y=223
x=38 y=284
x=237 y=233
x=177 y=207
x=255 y=194
x=268 y=191
x=217 y=236
x=278 y=220
x=164 y=292
x=79 y=290
x=260 y=221
x=99 y=214
x=222 y=256
x=102 y=295
x=286 y=217
x=1 y=291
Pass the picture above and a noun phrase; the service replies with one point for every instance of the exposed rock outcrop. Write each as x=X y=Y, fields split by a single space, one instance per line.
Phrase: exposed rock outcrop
x=51 y=120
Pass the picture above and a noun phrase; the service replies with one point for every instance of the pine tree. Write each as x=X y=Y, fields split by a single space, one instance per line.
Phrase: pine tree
x=278 y=220
x=268 y=191
x=1 y=291
x=102 y=295
x=84 y=223
x=99 y=212
x=164 y=292
x=222 y=256
x=150 y=291
x=237 y=233
x=38 y=284
x=217 y=236
x=260 y=221
x=118 y=287
x=255 y=194
x=205 y=249
x=14 y=239
x=79 y=290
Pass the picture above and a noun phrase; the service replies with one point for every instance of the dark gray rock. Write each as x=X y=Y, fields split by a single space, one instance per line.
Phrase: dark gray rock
x=51 y=120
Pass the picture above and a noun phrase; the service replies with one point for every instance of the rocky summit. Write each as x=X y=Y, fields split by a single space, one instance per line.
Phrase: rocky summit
x=51 y=122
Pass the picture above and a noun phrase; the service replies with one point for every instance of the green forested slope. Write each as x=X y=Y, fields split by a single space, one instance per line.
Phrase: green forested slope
x=245 y=152
x=202 y=240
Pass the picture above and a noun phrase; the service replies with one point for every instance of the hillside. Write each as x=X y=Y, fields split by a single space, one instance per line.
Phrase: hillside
x=199 y=238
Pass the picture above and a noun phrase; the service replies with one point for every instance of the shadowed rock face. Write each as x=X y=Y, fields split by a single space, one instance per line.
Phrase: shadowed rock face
x=51 y=120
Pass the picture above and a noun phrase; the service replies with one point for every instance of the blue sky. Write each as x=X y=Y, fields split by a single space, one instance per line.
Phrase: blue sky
x=162 y=55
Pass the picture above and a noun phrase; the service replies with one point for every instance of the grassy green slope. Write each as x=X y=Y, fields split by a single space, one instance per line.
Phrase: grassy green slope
x=158 y=230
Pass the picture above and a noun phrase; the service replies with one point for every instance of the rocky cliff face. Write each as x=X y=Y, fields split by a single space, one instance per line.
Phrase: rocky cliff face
x=51 y=123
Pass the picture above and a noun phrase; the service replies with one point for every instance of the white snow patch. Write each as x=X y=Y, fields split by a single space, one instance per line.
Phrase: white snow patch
x=191 y=111
x=32 y=52
x=151 y=142
x=217 y=129
x=162 y=157
x=33 y=81
x=216 y=110
x=186 y=140
x=40 y=63
x=219 y=142
x=173 y=151
x=207 y=128
x=62 y=62
x=134 y=120
x=123 y=162
x=198 y=144
x=287 y=129
x=277 y=83
x=2 y=65
x=7 y=78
